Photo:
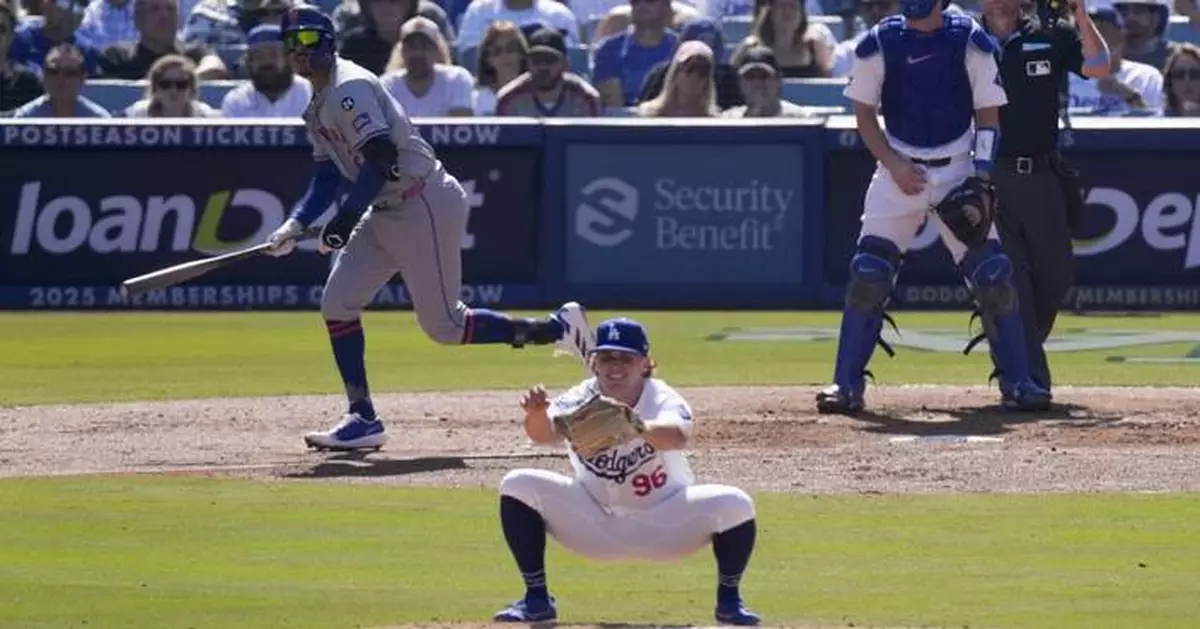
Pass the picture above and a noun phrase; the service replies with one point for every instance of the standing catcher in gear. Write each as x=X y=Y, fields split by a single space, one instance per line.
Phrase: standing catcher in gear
x=931 y=75
x=1041 y=200
x=633 y=495
x=414 y=225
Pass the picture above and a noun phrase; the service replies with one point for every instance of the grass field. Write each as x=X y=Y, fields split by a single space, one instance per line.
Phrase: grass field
x=104 y=357
x=142 y=552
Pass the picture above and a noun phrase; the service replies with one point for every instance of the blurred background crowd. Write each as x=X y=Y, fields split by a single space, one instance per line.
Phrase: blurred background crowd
x=540 y=58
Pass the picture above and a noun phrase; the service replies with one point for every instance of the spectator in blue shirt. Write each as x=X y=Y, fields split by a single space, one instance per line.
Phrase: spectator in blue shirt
x=57 y=24
x=623 y=60
x=63 y=72
x=18 y=84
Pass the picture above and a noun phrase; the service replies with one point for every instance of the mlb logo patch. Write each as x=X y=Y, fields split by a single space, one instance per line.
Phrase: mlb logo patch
x=1041 y=67
x=347 y=103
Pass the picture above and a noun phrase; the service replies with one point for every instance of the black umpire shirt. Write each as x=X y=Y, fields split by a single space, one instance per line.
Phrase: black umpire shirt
x=1033 y=64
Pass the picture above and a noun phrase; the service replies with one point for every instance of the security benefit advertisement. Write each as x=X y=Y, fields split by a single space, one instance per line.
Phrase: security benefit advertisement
x=684 y=214
x=1138 y=244
x=80 y=222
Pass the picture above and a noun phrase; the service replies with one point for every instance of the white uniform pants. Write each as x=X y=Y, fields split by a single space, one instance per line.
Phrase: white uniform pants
x=890 y=213
x=673 y=529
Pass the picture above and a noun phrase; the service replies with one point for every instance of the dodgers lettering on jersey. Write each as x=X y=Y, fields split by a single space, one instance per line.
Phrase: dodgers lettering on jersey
x=354 y=108
x=634 y=475
x=927 y=85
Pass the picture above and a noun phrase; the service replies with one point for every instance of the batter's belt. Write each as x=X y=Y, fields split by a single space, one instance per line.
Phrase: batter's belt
x=417 y=187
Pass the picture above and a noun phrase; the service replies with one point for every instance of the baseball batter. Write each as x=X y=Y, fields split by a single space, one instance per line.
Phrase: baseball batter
x=414 y=225
x=935 y=80
x=634 y=501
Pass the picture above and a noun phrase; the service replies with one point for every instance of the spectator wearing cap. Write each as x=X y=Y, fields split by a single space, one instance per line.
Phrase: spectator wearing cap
x=503 y=56
x=58 y=24
x=426 y=83
x=705 y=30
x=273 y=91
x=1146 y=30
x=1132 y=88
x=221 y=23
x=1181 y=85
x=108 y=23
x=63 y=73
x=869 y=13
x=623 y=61
x=369 y=31
x=481 y=13
x=549 y=89
x=157 y=22
x=690 y=91
x=761 y=86
x=803 y=47
x=18 y=83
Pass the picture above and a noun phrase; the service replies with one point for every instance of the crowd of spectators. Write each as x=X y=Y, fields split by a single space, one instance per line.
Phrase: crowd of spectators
x=653 y=58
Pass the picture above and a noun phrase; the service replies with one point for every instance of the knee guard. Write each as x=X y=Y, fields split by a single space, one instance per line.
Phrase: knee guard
x=873 y=271
x=989 y=272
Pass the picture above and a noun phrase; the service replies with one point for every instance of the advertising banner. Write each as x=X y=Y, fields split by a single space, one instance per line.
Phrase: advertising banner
x=684 y=214
x=1140 y=229
x=94 y=217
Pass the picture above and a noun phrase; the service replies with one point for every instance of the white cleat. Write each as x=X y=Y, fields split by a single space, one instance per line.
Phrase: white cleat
x=353 y=433
x=579 y=339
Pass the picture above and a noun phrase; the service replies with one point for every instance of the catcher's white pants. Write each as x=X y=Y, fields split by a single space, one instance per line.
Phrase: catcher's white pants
x=670 y=530
x=891 y=214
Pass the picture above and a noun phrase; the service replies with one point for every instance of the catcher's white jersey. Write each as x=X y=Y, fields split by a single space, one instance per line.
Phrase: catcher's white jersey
x=354 y=108
x=633 y=475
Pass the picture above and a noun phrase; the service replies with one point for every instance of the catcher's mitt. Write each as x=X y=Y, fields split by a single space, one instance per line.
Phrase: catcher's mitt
x=598 y=423
x=969 y=210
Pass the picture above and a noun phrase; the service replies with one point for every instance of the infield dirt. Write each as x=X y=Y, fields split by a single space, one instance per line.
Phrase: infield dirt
x=916 y=439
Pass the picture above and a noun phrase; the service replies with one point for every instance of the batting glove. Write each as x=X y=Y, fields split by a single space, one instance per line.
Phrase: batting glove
x=336 y=233
x=283 y=240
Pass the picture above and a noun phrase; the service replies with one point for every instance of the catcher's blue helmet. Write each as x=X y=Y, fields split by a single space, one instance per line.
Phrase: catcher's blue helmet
x=918 y=9
x=305 y=27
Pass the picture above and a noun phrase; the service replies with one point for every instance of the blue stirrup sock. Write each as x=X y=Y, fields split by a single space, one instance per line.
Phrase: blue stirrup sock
x=349 y=352
x=732 y=549
x=525 y=533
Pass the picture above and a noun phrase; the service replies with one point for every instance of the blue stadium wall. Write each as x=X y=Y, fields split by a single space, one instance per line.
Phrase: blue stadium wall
x=619 y=213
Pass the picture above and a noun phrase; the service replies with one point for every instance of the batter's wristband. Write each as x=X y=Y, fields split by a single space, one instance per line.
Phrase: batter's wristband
x=986 y=141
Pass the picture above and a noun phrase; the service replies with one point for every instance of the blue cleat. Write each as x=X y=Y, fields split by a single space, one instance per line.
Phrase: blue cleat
x=1026 y=395
x=353 y=433
x=734 y=612
x=835 y=400
x=528 y=610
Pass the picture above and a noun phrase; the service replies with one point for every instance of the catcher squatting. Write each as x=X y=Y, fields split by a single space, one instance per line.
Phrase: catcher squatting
x=931 y=75
x=633 y=495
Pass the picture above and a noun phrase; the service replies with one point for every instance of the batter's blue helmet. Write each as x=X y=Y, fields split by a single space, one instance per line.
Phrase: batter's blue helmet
x=305 y=26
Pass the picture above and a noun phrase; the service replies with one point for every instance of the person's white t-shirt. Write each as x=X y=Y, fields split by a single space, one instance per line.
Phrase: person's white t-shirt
x=633 y=475
x=481 y=13
x=452 y=89
x=1142 y=78
x=244 y=101
x=484 y=101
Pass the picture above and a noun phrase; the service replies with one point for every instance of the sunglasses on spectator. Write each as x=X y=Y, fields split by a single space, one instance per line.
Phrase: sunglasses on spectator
x=69 y=72
x=757 y=75
x=177 y=84
x=301 y=39
x=511 y=47
x=697 y=68
x=1186 y=74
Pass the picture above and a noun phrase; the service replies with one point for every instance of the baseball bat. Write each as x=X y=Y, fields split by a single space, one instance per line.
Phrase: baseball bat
x=179 y=273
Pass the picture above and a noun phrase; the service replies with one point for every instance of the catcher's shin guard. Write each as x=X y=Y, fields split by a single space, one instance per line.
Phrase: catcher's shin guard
x=988 y=273
x=873 y=273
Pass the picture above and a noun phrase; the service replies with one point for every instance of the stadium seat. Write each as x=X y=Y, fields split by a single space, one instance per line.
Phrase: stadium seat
x=115 y=95
x=1180 y=30
x=826 y=92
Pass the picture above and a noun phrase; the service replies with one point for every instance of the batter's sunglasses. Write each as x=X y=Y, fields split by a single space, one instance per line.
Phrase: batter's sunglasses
x=302 y=38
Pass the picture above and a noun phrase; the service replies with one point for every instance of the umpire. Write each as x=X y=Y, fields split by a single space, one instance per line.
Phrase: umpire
x=1040 y=197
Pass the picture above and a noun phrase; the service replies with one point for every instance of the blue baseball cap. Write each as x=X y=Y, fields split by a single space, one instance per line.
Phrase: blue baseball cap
x=264 y=33
x=622 y=335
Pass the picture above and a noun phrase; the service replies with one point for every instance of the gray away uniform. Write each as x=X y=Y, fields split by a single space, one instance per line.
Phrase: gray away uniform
x=414 y=226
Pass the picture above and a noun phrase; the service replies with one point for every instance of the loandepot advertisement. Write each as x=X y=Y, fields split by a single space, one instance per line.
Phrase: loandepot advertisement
x=694 y=214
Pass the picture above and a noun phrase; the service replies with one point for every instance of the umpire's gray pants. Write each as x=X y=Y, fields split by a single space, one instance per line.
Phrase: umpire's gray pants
x=1035 y=235
x=419 y=238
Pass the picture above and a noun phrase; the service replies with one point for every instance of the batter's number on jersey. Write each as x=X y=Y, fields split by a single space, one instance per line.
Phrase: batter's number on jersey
x=643 y=484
